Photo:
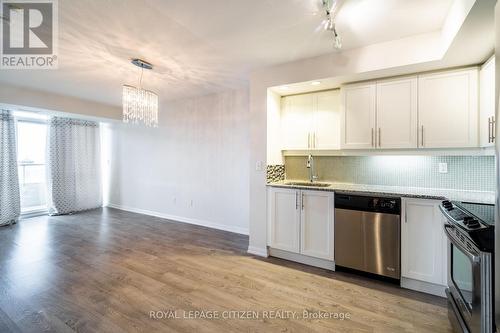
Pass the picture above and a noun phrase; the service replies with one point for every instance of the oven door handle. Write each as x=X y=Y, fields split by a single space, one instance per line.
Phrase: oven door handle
x=474 y=258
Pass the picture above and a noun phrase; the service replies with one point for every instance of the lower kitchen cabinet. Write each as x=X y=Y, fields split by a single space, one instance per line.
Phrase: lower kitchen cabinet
x=284 y=219
x=301 y=222
x=316 y=224
x=423 y=246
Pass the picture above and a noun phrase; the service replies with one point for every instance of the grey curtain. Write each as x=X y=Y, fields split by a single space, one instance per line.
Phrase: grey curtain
x=10 y=201
x=74 y=177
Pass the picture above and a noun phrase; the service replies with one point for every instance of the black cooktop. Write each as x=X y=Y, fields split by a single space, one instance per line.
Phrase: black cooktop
x=475 y=221
x=485 y=212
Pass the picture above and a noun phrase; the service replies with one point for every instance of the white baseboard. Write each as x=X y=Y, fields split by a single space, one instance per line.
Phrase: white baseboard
x=424 y=287
x=306 y=260
x=258 y=251
x=203 y=223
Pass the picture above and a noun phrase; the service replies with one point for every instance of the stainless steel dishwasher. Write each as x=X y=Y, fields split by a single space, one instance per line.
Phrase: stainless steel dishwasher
x=367 y=234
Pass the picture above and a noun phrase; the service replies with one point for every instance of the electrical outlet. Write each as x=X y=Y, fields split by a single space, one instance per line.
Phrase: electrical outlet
x=443 y=167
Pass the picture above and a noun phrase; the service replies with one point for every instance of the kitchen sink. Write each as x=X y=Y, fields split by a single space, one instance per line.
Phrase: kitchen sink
x=314 y=184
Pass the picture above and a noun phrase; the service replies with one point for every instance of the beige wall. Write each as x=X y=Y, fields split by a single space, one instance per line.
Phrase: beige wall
x=50 y=102
x=192 y=168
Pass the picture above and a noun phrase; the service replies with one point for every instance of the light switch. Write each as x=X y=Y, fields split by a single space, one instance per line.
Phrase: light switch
x=259 y=166
x=443 y=167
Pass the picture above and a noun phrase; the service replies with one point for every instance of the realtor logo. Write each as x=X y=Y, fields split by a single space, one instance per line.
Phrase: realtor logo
x=29 y=34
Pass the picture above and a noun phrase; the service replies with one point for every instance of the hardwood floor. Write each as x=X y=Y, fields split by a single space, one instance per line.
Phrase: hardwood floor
x=107 y=270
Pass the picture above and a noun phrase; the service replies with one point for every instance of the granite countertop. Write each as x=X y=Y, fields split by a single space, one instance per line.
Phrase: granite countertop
x=401 y=191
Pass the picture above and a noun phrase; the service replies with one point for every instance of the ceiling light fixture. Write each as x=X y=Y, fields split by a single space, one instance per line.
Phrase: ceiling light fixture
x=329 y=24
x=140 y=105
x=315 y=83
x=284 y=88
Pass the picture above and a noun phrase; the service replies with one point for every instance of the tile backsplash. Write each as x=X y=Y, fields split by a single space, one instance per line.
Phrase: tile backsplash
x=275 y=173
x=473 y=173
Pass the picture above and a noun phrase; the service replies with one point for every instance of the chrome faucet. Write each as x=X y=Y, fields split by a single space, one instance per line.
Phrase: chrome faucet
x=310 y=166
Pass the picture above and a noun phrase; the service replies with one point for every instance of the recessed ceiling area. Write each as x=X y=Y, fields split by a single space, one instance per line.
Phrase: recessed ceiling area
x=209 y=49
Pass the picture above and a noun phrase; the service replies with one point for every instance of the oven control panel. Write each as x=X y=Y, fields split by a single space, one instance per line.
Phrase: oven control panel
x=467 y=226
x=459 y=217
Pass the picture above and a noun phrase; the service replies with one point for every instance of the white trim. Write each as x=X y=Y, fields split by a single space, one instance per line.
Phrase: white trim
x=258 y=251
x=303 y=259
x=35 y=213
x=203 y=223
x=487 y=151
x=424 y=287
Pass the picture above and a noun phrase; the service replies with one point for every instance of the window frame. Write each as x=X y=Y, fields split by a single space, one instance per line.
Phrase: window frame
x=23 y=119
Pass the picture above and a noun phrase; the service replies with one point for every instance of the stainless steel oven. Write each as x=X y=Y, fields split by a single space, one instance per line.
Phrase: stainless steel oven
x=470 y=270
x=469 y=283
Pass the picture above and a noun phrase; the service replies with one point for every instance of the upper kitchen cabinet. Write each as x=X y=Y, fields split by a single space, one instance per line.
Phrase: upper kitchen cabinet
x=358 y=116
x=326 y=121
x=448 y=109
x=296 y=121
x=380 y=114
x=397 y=113
x=487 y=123
x=311 y=121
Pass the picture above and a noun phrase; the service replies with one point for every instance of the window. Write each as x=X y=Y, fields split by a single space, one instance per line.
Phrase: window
x=31 y=149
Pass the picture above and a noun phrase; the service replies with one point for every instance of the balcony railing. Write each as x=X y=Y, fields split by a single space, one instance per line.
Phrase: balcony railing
x=32 y=183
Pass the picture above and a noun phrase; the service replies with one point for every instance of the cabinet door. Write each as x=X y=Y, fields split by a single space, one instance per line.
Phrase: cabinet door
x=423 y=242
x=397 y=113
x=296 y=121
x=327 y=120
x=448 y=109
x=487 y=103
x=317 y=211
x=358 y=116
x=284 y=219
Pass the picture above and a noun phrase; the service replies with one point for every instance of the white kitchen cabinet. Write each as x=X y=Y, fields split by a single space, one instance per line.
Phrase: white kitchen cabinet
x=311 y=121
x=448 y=109
x=358 y=116
x=326 y=128
x=284 y=219
x=301 y=221
x=296 y=121
x=380 y=114
x=396 y=113
x=316 y=222
x=487 y=122
x=423 y=242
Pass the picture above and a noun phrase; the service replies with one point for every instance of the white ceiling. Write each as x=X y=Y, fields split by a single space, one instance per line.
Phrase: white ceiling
x=199 y=47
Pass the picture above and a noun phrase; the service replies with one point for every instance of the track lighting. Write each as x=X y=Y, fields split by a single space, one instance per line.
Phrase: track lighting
x=329 y=23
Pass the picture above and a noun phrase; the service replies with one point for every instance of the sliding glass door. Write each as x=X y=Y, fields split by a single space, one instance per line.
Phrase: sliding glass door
x=31 y=147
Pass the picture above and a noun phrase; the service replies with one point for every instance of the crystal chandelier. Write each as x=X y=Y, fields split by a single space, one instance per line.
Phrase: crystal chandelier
x=140 y=105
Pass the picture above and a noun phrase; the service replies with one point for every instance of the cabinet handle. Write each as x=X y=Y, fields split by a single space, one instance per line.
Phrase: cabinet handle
x=296 y=200
x=489 y=129
x=422 y=136
x=302 y=201
x=372 y=137
x=493 y=129
x=379 y=138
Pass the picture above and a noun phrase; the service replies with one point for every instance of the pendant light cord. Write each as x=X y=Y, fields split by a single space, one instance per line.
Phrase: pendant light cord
x=140 y=80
